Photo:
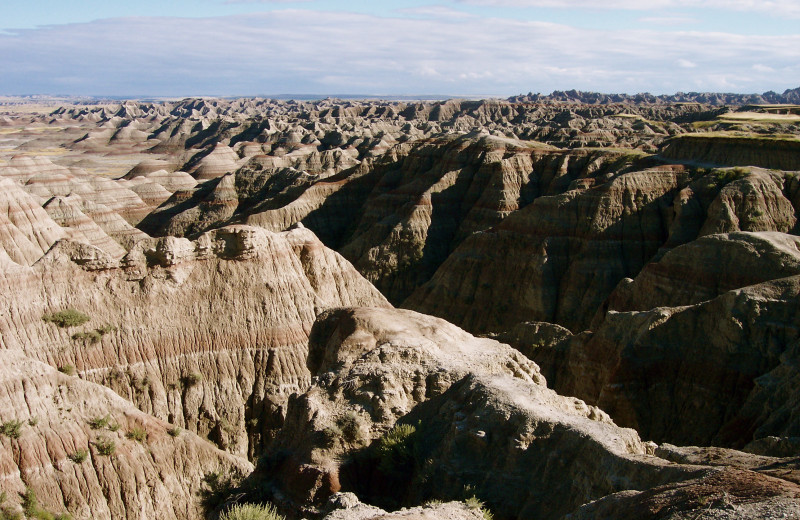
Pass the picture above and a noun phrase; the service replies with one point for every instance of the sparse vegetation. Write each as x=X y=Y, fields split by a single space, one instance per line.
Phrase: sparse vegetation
x=474 y=502
x=12 y=429
x=66 y=318
x=350 y=426
x=174 y=432
x=251 y=512
x=98 y=423
x=218 y=486
x=91 y=336
x=30 y=506
x=105 y=446
x=396 y=449
x=33 y=421
x=137 y=433
x=67 y=369
x=79 y=456
x=94 y=336
x=192 y=379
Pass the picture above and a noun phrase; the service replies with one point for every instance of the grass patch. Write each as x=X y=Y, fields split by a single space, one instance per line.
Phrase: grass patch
x=105 y=446
x=218 y=486
x=98 y=423
x=12 y=429
x=174 y=432
x=137 y=434
x=396 y=450
x=251 y=512
x=66 y=318
x=79 y=456
x=192 y=379
x=67 y=369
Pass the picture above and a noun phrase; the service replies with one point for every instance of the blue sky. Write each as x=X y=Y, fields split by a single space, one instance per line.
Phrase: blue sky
x=452 y=47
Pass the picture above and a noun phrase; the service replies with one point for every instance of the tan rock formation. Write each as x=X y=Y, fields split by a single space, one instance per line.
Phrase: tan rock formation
x=483 y=418
x=210 y=335
x=67 y=429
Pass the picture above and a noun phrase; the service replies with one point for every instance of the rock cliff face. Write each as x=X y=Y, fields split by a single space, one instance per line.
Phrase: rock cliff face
x=732 y=150
x=209 y=335
x=83 y=449
x=563 y=255
x=478 y=413
x=714 y=373
x=398 y=218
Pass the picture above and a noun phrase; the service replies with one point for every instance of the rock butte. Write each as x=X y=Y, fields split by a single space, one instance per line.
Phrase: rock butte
x=568 y=306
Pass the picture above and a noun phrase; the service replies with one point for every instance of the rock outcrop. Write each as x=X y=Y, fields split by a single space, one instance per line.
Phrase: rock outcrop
x=477 y=414
x=82 y=449
x=209 y=335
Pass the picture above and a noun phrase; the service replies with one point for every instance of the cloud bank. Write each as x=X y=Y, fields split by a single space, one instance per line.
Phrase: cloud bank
x=303 y=51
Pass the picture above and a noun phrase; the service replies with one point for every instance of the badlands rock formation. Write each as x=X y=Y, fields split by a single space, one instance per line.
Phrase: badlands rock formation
x=224 y=271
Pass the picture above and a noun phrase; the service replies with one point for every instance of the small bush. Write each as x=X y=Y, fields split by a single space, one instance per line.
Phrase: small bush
x=113 y=426
x=193 y=378
x=12 y=428
x=66 y=318
x=474 y=502
x=350 y=427
x=105 y=329
x=174 y=432
x=33 y=421
x=92 y=336
x=137 y=434
x=98 y=423
x=251 y=512
x=218 y=487
x=396 y=449
x=105 y=446
x=79 y=456
x=67 y=369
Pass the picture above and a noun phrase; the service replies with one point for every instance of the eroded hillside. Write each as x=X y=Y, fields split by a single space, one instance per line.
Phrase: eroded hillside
x=214 y=281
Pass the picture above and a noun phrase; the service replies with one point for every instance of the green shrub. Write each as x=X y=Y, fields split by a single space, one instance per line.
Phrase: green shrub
x=251 y=512
x=174 y=432
x=474 y=502
x=396 y=449
x=12 y=428
x=33 y=421
x=98 y=423
x=137 y=434
x=349 y=426
x=192 y=379
x=79 y=456
x=92 y=336
x=66 y=318
x=218 y=486
x=105 y=446
x=67 y=369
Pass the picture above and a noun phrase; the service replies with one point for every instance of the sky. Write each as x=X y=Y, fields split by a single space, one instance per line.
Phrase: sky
x=475 y=48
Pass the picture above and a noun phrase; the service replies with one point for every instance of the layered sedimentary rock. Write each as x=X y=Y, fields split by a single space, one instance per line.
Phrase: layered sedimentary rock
x=714 y=373
x=732 y=150
x=558 y=259
x=477 y=413
x=82 y=449
x=210 y=335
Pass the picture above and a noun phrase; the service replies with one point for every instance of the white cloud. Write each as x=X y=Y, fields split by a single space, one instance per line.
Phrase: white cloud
x=302 y=51
x=773 y=7
x=686 y=64
x=669 y=21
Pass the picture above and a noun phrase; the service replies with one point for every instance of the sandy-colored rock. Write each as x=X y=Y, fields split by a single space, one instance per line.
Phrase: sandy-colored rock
x=157 y=477
x=483 y=418
x=210 y=335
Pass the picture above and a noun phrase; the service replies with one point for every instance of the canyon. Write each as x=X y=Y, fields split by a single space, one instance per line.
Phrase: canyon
x=566 y=306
